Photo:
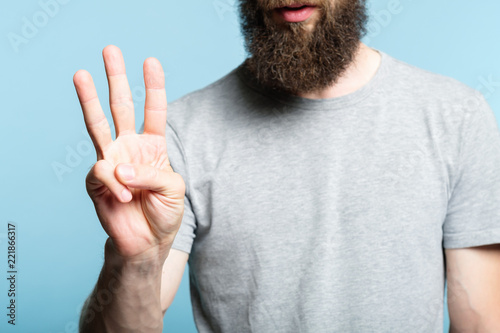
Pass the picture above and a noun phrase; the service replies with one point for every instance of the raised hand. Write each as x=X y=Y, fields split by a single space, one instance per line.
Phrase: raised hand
x=138 y=197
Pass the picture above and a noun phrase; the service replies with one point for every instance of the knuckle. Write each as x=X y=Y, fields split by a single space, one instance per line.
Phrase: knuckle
x=125 y=100
x=155 y=108
x=178 y=183
x=99 y=169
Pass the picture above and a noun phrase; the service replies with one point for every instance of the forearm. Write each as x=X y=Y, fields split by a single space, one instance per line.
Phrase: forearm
x=126 y=297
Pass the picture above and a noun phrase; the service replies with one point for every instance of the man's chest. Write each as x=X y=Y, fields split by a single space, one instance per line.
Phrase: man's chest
x=350 y=179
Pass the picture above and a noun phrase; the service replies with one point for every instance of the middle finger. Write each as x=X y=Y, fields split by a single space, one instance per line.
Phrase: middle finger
x=120 y=96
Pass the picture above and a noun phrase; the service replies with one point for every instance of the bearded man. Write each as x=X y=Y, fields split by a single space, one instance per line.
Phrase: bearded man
x=321 y=186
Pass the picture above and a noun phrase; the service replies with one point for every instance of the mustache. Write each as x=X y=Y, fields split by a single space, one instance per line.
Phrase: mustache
x=273 y=4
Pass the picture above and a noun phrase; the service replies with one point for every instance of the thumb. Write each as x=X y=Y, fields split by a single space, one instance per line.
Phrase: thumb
x=146 y=177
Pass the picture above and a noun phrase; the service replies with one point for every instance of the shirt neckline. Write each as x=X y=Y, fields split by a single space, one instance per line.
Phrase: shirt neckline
x=318 y=104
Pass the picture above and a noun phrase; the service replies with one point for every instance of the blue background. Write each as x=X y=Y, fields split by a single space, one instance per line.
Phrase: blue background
x=60 y=240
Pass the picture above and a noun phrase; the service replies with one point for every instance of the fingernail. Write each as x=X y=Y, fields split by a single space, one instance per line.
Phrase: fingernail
x=126 y=195
x=126 y=171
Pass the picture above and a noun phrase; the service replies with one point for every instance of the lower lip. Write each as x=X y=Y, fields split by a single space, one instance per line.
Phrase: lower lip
x=296 y=15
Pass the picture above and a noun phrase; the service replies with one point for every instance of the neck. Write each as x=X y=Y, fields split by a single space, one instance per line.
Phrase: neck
x=359 y=73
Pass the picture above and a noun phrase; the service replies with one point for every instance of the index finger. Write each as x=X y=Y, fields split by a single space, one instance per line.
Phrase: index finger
x=155 y=106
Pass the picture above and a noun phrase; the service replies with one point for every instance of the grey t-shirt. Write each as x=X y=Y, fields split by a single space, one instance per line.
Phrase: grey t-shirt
x=331 y=215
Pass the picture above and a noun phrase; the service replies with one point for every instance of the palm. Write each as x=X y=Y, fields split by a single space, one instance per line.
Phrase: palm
x=129 y=224
x=152 y=213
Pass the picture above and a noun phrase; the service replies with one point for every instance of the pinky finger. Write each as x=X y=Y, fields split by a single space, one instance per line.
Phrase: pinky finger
x=101 y=178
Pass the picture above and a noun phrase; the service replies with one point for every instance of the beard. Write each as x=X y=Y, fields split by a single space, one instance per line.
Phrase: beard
x=289 y=58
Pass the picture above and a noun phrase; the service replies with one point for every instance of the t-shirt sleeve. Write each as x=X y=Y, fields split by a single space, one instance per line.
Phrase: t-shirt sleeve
x=187 y=232
x=473 y=215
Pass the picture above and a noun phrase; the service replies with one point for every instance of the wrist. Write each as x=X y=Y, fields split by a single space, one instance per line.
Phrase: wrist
x=149 y=262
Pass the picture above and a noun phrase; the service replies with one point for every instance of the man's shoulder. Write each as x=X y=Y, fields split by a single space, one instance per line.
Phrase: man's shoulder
x=209 y=99
x=420 y=82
